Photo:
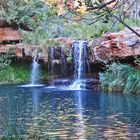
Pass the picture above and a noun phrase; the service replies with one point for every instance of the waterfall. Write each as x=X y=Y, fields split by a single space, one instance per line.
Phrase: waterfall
x=79 y=51
x=34 y=78
x=80 y=63
x=51 y=53
x=79 y=57
x=63 y=62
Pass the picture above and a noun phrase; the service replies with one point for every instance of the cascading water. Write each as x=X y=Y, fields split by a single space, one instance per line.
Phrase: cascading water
x=80 y=60
x=80 y=63
x=34 y=78
x=79 y=54
x=51 y=52
x=63 y=62
x=35 y=73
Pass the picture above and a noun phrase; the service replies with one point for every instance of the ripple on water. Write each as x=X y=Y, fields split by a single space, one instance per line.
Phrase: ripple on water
x=58 y=114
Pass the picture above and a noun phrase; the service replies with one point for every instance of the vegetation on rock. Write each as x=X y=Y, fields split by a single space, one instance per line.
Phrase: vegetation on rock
x=121 y=77
x=16 y=74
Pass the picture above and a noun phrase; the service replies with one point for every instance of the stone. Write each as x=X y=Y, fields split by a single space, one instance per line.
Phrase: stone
x=115 y=46
x=9 y=34
x=92 y=83
x=110 y=47
x=61 y=82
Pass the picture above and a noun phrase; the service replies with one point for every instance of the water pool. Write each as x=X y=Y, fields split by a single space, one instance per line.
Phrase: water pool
x=49 y=113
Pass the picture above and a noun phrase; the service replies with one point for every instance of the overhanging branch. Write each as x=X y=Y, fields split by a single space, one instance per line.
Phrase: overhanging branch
x=103 y=5
x=121 y=21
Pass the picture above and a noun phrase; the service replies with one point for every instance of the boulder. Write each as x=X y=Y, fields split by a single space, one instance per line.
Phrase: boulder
x=9 y=34
x=23 y=51
x=92 y=83
x=61 y=82
x=115 y=46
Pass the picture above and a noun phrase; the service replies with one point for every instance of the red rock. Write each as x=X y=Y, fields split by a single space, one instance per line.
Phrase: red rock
x=18 y=52
x=111 y=36
x=112 y=46
x=9 y=34
x=119 y=45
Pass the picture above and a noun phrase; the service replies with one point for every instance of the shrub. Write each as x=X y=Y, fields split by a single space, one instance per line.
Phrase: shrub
x=120 y=77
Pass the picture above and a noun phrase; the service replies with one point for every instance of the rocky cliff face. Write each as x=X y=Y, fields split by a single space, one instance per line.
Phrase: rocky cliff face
x=112 y=46
x=9 y=35
x=115 y=46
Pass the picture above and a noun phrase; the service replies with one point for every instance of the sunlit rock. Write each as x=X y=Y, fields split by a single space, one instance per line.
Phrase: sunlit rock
x=9 y=34
x=118 y=46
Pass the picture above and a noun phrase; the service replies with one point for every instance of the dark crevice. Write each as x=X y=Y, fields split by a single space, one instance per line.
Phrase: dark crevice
x=13 y=42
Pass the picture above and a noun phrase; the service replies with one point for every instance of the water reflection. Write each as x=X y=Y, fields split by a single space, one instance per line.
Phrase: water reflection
x=31 y=113
x=35 y=100
x=80 y=125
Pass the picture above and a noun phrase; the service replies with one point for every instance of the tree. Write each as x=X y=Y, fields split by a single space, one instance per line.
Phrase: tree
x=103 y=10
x=26 y=14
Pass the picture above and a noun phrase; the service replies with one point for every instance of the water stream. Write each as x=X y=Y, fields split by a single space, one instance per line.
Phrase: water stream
x=35 y=74
x=34 y=78
x=80 y=66
x=79 y=62
x=63 y=62
x=51 y=59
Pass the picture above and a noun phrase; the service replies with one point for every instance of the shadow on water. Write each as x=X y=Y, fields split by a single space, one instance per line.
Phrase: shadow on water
x=31 y=113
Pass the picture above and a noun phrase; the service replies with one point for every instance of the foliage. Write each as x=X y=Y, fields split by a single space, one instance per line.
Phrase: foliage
x=137 y=60
x=12 y=75
x=133 y=84
x=34 y=38
x=82 y=30
x=42 y=18
x=104 y=11
x=69 y=59
x=28 y=13
x=18 y=74
x=121 y=77
x=57 y=27
x=5 y=60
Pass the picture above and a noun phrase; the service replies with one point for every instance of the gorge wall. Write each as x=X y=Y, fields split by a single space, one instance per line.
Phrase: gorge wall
x=110 y=47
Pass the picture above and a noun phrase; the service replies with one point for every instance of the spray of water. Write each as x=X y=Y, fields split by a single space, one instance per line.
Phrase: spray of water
x=34 y=78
